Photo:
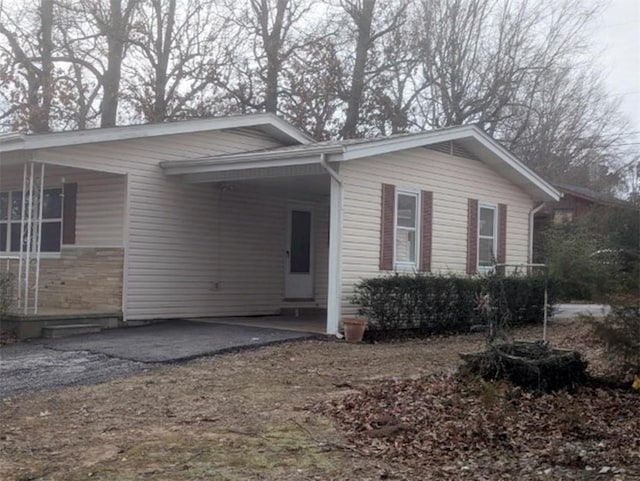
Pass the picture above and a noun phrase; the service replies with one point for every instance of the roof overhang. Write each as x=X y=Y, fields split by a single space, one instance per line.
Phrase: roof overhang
x=267 y=123
x=470 y=137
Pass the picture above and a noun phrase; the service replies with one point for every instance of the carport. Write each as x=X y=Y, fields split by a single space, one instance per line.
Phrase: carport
x=312 y=190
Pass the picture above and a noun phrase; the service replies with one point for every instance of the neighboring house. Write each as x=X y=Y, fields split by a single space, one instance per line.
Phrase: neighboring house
x=245 y=215
x=575 y=202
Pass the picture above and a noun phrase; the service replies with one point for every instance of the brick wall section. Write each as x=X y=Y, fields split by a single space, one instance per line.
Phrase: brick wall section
x=82 y=279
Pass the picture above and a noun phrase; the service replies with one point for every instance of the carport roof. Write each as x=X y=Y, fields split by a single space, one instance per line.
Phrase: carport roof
x=471 y=138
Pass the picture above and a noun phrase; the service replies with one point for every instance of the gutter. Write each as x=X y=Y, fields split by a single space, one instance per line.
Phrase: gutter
x=248 y=157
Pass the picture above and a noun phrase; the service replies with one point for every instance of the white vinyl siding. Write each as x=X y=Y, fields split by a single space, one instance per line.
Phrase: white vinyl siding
x=192 y=250
x=452 y=180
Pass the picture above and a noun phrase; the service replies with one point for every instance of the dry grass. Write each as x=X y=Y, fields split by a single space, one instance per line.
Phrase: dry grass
x=230 y=417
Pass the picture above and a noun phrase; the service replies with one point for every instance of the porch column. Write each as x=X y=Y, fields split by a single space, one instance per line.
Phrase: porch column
x=334 y=300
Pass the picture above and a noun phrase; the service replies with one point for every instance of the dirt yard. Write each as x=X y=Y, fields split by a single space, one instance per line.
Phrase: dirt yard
x=246 y=416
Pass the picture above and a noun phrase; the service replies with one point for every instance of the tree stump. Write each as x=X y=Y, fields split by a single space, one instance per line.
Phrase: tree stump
x=531 y=365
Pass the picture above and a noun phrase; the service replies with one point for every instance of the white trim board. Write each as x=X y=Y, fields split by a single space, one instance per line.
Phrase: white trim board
x=269 y=123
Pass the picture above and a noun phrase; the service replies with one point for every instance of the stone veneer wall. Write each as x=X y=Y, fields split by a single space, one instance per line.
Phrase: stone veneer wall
x=87 y=279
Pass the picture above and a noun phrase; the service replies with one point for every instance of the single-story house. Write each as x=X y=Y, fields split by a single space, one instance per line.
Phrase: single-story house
x=245 y=215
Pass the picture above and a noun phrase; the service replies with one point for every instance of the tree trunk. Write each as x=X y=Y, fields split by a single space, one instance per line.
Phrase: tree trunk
x=41 y=109
x=164 y=40
x=363 y=17
x=111 y=79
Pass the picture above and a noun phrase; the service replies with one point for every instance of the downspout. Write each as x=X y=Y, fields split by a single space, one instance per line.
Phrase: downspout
x=329 y=169
x=335 y=250
x=532 y=214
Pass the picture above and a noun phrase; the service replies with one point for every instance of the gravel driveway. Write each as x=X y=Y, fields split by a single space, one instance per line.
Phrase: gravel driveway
x=46 y=364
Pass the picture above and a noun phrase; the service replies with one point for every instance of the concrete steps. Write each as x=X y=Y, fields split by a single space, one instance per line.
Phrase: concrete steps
x=65 y=330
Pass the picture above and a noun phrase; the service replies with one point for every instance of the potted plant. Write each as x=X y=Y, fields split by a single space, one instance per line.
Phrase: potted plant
x=354 y=328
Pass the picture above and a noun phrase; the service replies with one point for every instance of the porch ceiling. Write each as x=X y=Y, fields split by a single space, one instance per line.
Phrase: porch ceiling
x=303 y=187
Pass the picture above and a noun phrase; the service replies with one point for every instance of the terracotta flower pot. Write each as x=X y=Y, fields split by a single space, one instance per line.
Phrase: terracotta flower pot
x=354 y=328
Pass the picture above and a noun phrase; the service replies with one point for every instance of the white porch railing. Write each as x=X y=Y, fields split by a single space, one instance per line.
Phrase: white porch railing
x=30 y=238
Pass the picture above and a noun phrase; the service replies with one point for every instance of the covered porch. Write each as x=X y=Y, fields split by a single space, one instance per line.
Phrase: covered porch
x=61 y=243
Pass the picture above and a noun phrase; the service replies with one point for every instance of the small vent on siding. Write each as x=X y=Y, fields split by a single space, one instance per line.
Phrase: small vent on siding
x=452 y=148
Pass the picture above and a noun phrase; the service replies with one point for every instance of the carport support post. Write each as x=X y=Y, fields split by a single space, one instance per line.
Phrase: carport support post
x=335 y=241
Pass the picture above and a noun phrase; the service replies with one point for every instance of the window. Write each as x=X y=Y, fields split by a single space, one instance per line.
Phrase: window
x=11 y=216
x=406 y=240
x=563 y=216
x=487 y=236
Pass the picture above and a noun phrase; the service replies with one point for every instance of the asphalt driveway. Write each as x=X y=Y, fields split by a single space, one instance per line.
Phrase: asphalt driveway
x=46 y=364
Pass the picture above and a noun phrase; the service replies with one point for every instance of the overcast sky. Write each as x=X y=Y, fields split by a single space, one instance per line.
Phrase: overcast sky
x=616 y=34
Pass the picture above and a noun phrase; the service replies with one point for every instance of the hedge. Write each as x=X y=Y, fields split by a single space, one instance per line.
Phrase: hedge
x=433 y=304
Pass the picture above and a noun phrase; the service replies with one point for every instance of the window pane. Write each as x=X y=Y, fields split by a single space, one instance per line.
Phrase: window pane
x=52 y=204
x=50 y=237
x=15 y=236
x=405 y=245
x=406 y=210
x=3 y=237
x=562 y=216
x=486 y=255
x=487 y=218
x=4 y=205
x=16 y=205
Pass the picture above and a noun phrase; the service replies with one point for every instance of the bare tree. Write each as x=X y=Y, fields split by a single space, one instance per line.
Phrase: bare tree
x=366 y=32
x=99 y=39
x=273 y=30
x=28 y=51
x=174 y=59
x=311 y=83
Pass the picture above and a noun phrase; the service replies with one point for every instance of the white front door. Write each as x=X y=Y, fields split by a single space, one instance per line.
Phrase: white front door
x=299 y=254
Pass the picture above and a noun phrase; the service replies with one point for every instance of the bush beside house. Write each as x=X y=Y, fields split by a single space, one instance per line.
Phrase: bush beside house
x=423 y=304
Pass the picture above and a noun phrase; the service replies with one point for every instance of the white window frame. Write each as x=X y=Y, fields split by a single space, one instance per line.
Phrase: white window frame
x=9 y=221
x=494 y=207
x=404 y=265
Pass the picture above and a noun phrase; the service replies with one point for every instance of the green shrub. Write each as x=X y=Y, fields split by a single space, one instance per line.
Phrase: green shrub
x=596 y=256
x=620 y=331
x=429 y=304
x=6 y=292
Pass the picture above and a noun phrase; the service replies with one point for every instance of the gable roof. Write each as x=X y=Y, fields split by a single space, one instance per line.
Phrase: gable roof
x=591 y=195
x=268 y=123
x=469 y=137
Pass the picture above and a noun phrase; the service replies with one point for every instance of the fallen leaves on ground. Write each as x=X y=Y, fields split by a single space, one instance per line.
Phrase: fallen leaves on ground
x=246 y=416
x=453 y=427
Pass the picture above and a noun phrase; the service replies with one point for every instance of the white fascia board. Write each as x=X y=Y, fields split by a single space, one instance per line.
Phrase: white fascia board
x=247 y=160
x=61 y=139
x=230 y=166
